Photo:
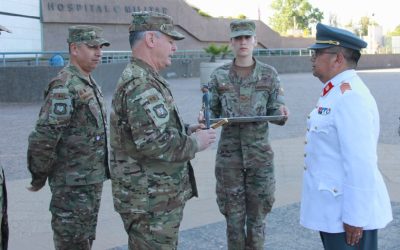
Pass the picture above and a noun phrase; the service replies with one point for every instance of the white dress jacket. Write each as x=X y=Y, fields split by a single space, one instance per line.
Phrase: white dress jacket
x=342 y=182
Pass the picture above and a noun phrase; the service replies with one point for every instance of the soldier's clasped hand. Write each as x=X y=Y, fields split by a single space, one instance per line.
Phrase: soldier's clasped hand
x=205 y=138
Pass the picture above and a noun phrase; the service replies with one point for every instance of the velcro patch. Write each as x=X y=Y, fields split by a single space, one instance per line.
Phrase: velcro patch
x=157 y=110
x=262 y=86
x=60 y=108
x=86 y=93
x=244 y=98
x=160 y=110
x=59 y=93
x=223 y=87
x=152 y=98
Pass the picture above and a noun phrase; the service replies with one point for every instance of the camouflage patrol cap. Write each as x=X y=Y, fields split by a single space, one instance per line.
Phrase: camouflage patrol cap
x=242 y=28
x=90 y=35
x=154 y=21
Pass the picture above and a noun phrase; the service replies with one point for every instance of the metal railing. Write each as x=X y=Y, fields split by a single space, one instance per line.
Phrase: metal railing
x=282 y=52
x=41 y=58
x=30 y=58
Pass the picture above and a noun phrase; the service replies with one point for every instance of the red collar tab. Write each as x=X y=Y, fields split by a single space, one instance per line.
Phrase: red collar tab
x=327 y=88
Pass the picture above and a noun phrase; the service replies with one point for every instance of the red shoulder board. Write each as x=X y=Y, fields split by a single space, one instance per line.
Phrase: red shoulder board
x=344 y=87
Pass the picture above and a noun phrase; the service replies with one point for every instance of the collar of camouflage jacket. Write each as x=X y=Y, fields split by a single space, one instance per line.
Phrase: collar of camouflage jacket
x=148 y=68
x=74 y=70
x=253 y=77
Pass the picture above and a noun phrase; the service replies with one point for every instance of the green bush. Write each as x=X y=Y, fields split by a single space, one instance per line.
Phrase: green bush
x=225 y=50
x=213 y=50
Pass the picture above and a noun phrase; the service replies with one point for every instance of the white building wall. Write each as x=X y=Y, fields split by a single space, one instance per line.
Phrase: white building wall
x=374 y=39
x=26 y=29
x=395 y=44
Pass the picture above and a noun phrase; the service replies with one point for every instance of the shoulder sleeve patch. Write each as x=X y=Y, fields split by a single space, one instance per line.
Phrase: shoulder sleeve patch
x=60 y=107
x=344 y=87
x=155 y=106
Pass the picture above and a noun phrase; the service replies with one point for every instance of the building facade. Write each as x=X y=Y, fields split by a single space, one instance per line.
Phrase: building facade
x=47 y=22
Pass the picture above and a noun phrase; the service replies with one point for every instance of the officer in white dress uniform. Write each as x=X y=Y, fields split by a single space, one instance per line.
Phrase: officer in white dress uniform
x=344 y=195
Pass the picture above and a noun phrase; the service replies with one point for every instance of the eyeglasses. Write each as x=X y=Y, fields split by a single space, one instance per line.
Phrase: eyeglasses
x=316 y=53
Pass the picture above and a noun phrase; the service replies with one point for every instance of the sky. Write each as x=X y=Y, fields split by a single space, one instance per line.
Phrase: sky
x=382 y=11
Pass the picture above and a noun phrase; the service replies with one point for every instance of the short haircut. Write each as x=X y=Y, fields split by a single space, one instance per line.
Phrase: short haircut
x=136 y=36
x=352 y=56
x=78 y=44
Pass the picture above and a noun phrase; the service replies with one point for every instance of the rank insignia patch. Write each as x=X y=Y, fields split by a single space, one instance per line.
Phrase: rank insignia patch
x=323 y=111
x=160 y=110
x=60 y=108
x=153 y=98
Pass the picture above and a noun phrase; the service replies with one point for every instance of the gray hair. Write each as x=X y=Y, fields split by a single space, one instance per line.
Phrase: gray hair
x=136 y=36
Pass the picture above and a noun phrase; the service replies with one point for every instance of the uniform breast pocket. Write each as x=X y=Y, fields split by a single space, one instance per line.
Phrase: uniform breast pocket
x=88 y=106
x=260 y=100
x=321 y=126
x=95 y=110
x=227 y=93
x=332 y=187
x=229 y=101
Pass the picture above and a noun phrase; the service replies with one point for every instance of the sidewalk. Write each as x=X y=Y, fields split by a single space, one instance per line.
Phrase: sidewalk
x=202 y=226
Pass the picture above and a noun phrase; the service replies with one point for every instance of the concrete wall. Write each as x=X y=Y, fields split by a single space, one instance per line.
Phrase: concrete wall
x=26 y=84
x=379 y=61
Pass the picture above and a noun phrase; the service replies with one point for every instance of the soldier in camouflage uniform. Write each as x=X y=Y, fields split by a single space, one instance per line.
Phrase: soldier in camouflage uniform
x=3 y=196
x=3 y=212
x=69 y=144
x=244 y=166
x=151 y=175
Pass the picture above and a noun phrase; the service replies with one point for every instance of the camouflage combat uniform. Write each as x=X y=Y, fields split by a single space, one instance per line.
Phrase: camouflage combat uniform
x=244 y=165
x=3 y=212
x=3 y=197
x=69 y=147
x=151 y=175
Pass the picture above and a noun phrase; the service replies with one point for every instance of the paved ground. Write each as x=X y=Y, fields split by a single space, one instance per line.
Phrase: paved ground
x=203 y=227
